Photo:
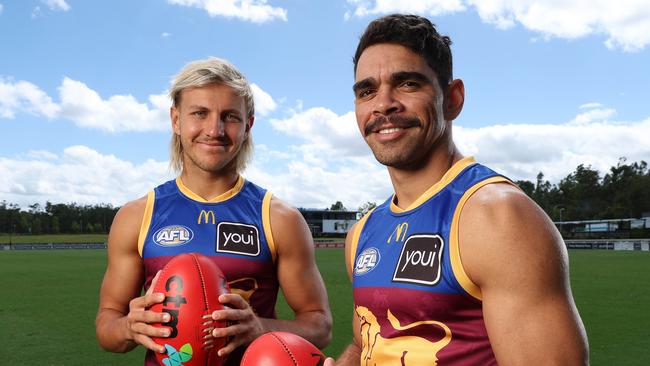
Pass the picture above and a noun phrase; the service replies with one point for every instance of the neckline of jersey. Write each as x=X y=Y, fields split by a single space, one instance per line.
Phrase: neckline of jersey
x=447 y=178
x=220 y=198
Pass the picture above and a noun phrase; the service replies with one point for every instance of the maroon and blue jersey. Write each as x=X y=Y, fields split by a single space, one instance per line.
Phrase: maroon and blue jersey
x=232 y=229
x=413 y=300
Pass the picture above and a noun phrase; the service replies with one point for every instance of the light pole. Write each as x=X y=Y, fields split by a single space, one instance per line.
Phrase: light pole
x=560 y=224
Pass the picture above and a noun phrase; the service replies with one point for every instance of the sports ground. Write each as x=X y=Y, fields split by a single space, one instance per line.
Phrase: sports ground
x=49 y=299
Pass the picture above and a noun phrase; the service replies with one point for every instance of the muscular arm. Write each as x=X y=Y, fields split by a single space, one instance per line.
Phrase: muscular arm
x=122 y=283
x=301 y=284
x=351 y=356
x=299 y=277
x=512 y=251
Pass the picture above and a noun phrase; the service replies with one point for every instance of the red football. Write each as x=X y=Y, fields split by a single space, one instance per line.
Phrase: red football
x=192 y=284
x=282 y=349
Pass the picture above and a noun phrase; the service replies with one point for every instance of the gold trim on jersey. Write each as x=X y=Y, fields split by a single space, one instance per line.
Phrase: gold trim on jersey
x=220 y=198
x=449 y=176
x=266 y=224
x=355 y=241
x=146 y=220
x=454 y=249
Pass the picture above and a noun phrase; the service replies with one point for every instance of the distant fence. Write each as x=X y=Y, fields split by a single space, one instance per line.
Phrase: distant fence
x=604 y=244
x=609 y=244
x=49 y=246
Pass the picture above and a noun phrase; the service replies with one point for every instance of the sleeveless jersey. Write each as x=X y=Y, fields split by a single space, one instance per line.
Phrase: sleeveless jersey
x=414 y=302
x=232 y=229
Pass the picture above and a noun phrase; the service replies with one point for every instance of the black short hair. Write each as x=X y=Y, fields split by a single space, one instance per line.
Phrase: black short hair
x=415 y=33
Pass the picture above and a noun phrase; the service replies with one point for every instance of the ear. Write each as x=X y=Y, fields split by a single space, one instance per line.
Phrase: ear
x=174 y=115
x=249 y=124
x=454 y=99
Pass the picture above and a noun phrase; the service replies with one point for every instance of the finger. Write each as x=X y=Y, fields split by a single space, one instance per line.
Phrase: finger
x=149 y=343
x=153 y=282
x=147 y=330
x=329 y=362
x=230 y=331
x=232 y=315
x=234 y=300
x=231 y=346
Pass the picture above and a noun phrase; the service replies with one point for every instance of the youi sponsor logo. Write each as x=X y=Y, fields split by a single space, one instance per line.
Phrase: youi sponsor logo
x=173 y=235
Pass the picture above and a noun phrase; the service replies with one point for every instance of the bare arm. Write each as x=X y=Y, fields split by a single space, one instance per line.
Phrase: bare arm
x=352 y=354
x=120 y=322
x=301 y=284
x=512 y=251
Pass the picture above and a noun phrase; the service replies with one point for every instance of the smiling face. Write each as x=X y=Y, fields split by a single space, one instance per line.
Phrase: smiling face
x=398 y=105
x=212 y=124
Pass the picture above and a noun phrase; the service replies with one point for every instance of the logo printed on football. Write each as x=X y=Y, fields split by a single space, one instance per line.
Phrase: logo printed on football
x=191 y=284
x=282 y=349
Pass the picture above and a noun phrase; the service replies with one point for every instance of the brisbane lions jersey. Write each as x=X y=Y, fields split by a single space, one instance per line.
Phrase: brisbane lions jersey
x=413 y=300
x=232 y=229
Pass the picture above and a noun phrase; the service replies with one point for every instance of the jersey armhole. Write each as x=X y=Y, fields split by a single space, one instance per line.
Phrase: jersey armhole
x=454 y=248
x=146 y=221
x=356 y=234
x=266 y=224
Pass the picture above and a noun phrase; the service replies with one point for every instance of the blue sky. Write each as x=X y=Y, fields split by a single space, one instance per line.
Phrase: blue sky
x=84 y=112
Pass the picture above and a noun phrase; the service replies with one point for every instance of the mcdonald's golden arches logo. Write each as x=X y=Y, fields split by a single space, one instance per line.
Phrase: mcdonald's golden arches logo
x=399 y=233
x=206 y=216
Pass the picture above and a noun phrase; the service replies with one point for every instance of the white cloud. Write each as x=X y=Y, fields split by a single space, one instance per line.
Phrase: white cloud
x=331 y=161
x=165 y=35
x=23 y=96
x=118 y=113
x=87 y=109
x=326 y=133
x=522 y=151
x=264 y=103
x=80 y=175
x=428 y=7
x=256 y=11
x=1 y=8
x=320 y=169
x=56 y=5
x=626 y=23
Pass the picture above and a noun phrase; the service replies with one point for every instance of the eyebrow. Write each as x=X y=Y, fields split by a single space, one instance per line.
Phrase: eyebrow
x=363 y=84
x=395 y=78
x=401 y=76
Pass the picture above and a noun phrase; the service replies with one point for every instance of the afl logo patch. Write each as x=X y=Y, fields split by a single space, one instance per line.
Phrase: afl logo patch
x=173 y=235
x=420 y=260
x=238 y=238
x=366 y=261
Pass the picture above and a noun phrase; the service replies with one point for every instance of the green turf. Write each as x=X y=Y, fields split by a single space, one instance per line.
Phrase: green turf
x=49 y=300
x=612 y=292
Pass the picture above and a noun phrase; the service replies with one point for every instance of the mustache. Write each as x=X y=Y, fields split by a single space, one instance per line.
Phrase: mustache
x=393 y=120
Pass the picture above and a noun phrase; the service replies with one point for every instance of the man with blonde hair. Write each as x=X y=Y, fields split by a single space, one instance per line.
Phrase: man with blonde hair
x=208 y=204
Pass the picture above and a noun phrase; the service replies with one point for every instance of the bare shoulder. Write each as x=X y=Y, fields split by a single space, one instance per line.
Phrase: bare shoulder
x=501 y=225
x=290 y=231
x=282 y=211
x=126 y=224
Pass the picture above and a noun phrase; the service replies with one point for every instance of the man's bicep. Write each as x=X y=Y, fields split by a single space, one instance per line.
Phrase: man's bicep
x=298 y=275
x=512 y=251
x=124 y=272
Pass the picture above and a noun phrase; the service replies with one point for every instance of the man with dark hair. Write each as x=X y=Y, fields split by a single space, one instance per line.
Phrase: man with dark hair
x=459 y=266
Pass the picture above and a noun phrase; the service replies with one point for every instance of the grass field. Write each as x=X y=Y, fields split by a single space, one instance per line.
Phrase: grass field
x=49 y=300
x=62 y=238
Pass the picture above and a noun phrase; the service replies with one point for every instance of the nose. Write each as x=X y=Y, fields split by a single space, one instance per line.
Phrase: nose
x=386 y=102
x=215 y=127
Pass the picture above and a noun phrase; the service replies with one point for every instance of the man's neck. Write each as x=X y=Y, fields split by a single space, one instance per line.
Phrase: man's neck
x=209 y=185
x=410 y=184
